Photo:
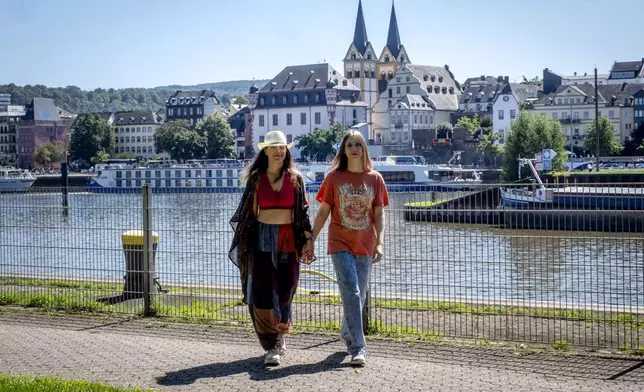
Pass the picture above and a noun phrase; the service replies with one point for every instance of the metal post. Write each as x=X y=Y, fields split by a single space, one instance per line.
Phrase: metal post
x=147 y=248
x=596 y=123
x=366 y=313
x=65 y=185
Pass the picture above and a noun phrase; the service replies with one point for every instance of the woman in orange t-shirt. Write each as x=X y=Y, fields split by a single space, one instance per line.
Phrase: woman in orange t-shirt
x=355 y=196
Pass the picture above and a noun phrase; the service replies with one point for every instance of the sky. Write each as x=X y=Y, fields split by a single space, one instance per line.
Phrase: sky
x=148 y=43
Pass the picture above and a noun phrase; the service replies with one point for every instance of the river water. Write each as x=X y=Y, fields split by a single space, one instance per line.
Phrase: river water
x=422 y=260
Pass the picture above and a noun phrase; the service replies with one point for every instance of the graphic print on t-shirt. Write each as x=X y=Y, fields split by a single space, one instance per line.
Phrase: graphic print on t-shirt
x=355 y=206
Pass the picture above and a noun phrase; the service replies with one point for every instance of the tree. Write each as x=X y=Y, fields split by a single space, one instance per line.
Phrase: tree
x=527 y=136
x=164 y=135
x=124 y=155
x=241 y=100
x=100 y=157
x=634 y=144
x=177 y=139
x=535 y=81
x=444 y=130
x=471 y=124
x=219 y=137
x=486 y=122
x=320 y=144
x=49 y=153
x=488 y=144
x=188 y=144
x=608 y=143
x=249 y=152
x=91 y=134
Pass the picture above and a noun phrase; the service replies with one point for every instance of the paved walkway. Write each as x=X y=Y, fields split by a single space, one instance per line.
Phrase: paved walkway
x=165 y=356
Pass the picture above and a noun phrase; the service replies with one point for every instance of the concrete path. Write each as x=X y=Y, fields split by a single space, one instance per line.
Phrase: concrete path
x=188 y=357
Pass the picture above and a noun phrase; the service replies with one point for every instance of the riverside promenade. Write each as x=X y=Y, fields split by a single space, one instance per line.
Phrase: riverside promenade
x=166 y=356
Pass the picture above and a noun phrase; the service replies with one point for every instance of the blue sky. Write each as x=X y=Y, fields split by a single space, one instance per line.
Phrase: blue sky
x=147 y=43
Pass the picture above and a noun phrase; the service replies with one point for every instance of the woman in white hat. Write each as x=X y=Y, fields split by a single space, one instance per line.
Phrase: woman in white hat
x=272 y=234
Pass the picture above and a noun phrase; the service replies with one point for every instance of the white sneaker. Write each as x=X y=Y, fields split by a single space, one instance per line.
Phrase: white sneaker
x=272 y=358
x=281 y=344
x=358 y=359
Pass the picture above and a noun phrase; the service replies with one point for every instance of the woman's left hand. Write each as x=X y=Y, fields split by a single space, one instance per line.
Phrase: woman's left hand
x=377 y=253
x=309 y=252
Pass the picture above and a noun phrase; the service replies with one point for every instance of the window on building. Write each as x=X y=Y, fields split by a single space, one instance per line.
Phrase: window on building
x=391 y=93
x=289 y=138
x=275 y=122
x=398 y=90
x=555 y=115
x=261 y=139
x=586 y=116
x=349 y=74
x=611 y=114
x=284 y=100
x=408 y=89
x=170 y=112
x=261 y=120
x=513 y=113
x=318 y=118
x=501 y=116
x=302 y=118
x=355 y=113
x=295 y=99
x=289 y=119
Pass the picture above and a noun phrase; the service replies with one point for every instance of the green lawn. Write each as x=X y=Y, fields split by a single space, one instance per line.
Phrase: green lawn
x=46 y=384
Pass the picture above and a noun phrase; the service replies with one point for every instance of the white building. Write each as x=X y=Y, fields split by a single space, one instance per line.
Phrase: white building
x=507 y=104
x=301 y=99
x=574 y=107
x=576 y=79
x=626 y=72
x=134 y=132
x=418 y=98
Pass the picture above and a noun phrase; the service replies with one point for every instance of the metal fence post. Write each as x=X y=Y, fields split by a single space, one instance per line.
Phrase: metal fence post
x=147 y=248
x=366 y=313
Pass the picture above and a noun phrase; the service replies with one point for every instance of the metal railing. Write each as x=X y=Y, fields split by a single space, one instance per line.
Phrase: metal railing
x=562 y=265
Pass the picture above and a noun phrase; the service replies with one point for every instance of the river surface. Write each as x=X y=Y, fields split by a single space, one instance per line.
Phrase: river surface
x=422 y=260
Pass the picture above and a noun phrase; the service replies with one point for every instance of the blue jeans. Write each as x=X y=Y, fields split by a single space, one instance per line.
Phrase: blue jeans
x=353 y=274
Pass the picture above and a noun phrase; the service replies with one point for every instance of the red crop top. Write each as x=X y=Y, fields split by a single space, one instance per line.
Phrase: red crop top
x=269 y=199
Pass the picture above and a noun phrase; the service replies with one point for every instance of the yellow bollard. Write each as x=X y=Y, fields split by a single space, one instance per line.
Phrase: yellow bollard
x=135 y=264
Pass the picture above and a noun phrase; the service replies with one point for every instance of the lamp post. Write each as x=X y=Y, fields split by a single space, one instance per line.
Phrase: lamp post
x=331 y=101
x=253 y=97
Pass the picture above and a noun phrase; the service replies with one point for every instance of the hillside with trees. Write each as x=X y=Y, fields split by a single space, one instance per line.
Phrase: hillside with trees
x=75 y=100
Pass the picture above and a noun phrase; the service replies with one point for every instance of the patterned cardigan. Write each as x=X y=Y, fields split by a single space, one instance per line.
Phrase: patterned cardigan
x=244 y=225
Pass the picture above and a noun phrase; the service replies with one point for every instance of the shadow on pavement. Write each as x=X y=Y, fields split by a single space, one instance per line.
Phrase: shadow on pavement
x=254 y=367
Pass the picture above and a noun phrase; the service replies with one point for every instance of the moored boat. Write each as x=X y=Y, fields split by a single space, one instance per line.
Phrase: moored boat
x=15 y=180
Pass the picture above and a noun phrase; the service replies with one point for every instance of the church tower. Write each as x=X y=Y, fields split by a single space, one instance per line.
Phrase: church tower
x=360 y=63
x=393 y=56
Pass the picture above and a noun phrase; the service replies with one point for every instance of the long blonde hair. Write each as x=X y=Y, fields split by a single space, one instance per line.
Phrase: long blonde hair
x=340 y=162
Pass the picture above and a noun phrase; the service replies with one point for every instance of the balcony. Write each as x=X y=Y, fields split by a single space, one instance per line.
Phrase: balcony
x=568 y=121
x=398 y=125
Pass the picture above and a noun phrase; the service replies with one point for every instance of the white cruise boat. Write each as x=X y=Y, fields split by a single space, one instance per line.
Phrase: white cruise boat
x=15 y=180
x=223 y=176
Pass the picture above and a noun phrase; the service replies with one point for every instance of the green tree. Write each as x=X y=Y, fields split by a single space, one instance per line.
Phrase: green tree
x=164 y=135
x=608 y=143
x=91 y=134
x=471 y=124
x=188 y=144
x=124 y=155
x=486 y=122
x=241 y=100
x=488 y=146
x=444 y=130
x=100 y=157
x=527 y=136
x=320 y=144
x=219 y=136
x=249 y=152
x=535 y=81
x=49 y=153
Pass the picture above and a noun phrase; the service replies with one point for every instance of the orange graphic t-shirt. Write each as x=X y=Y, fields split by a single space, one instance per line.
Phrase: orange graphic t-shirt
x=352 y=197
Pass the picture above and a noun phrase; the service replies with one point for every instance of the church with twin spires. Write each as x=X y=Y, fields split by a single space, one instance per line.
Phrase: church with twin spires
x=368 y=71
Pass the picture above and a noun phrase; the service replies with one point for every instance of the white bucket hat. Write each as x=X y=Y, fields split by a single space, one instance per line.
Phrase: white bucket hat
x=274 y=139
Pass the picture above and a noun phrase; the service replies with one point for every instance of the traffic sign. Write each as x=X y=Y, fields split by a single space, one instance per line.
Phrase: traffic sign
x=548 y=154
x=547 y=164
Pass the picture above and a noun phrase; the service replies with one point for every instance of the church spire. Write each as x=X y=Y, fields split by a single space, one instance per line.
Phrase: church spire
x=393 y=37
x=360 y=35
